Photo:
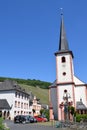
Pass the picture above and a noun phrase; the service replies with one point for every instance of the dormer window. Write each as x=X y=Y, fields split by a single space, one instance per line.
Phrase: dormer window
x=15 y=94
x=63 y=59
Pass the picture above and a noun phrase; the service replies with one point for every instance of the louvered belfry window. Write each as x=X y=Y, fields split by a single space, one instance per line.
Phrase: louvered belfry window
x=63 y=59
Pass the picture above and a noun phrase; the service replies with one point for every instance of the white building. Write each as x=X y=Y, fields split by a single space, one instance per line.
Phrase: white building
x=67 y=87
x=36 y=106
x=15 y=97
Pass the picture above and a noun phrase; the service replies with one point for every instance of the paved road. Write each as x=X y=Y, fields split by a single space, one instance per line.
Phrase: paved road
x=30 y=126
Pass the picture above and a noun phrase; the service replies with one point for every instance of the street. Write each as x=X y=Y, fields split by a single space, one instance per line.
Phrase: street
x=30 y=126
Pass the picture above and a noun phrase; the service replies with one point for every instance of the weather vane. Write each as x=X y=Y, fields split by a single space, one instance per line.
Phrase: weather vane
x=61 y=11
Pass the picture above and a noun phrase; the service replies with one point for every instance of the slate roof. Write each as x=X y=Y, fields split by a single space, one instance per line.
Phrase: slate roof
x=80 y=105
x=31 y=97
x=63 y=43
x=54 y=83
x=10 y=85
x=4 y=104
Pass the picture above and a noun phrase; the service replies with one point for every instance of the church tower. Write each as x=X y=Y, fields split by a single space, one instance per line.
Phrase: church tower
x=64 y=76
x=67 y=90
x=64 y=71
x=64 y=59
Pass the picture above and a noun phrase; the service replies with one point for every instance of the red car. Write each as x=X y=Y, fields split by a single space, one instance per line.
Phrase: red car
x=40 y=119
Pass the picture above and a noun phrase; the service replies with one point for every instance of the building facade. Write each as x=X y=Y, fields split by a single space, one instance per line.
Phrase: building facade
x=67 y=89
x=36 y=106
x=16 y=98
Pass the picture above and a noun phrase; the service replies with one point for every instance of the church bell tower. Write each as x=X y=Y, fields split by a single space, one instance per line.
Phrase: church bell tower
x=64 y=69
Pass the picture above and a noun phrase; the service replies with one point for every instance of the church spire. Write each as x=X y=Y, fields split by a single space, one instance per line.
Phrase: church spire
x=63 y=43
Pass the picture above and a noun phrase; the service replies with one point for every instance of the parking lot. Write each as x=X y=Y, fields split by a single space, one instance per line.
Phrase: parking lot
x=29 y=126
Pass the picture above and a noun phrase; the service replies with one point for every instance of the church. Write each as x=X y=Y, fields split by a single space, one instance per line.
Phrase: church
x=67 y=90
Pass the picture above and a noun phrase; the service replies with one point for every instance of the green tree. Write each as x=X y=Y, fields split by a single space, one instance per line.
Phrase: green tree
x=45 y=112
x=72 y=111
x=33 y=111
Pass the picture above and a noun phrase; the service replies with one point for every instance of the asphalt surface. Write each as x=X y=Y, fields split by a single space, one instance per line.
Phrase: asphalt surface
x=30 y=126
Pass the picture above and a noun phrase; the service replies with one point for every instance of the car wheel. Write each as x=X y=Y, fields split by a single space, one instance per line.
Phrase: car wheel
x=23 y=122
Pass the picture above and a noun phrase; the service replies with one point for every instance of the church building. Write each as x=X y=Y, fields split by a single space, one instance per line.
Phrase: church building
x=67 y=90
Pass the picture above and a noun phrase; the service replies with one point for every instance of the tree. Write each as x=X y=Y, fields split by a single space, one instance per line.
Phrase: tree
x=71 y=110
x=33 y=111
x=45 y=113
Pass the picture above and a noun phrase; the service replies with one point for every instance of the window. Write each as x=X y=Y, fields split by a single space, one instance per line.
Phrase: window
x=15 y=103
x=64 y=73
x=22 y=96
x=19 y=95
x=27 y=105
x=29 y=112
x=21 y=112
x=18 y=104
x=63 y=59
x=15 y=94
x=22 y=105
x=14 y=112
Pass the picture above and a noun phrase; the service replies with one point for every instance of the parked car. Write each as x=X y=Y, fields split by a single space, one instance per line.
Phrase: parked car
x=43 y=116
x=40 y=119
x=21 y=119
x=31 y=119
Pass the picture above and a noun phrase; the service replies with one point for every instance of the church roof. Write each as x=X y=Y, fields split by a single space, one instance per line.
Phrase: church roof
x=54 y=83
x=80 y=105
x=63 y=43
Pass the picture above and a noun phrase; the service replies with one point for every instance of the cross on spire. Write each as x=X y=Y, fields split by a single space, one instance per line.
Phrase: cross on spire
x=61 y=11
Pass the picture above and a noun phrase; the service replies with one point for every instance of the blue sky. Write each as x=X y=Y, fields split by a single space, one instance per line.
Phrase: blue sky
x=29 y=36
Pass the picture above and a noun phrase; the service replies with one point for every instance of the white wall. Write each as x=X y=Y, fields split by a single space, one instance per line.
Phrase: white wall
x=61 y=92
x=77 y=81
x=64 y=67
x=10 y=97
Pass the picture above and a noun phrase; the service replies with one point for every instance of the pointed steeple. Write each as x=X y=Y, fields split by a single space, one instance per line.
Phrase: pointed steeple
x=63 y=43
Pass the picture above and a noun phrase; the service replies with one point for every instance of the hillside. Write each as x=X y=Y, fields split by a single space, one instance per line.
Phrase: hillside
x=30 y=82
x=40 y=93
x=37 y=87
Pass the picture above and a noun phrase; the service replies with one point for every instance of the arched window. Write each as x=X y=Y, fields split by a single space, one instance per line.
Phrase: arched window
x=63 y=59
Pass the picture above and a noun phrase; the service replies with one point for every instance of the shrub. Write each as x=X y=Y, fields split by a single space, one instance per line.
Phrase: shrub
x=2 y=126
x=80 y=117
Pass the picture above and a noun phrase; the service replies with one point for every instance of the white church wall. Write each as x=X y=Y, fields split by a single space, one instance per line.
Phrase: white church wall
x=64 y=67
x=77 y=81
x=80 y=93
x=61 y=92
